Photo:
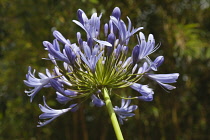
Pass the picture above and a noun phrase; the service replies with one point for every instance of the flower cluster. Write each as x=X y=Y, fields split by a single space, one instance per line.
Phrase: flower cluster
x=84 y=68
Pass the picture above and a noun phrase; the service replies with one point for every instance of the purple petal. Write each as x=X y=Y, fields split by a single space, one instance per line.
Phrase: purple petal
x=106 y=27
x=96 y=101
x=70 y=54
x=164 y=78
x=79 y=15
x=62 y=99
x=135 y=54
x=146 y=98
x=56 y=85
x=143 y=89
x=60 y=37
x=111 y=38
x=103 y=42
x=74 y=107
x=159 y=60
x=167 y=86
x=56 y=45
x=116 y=13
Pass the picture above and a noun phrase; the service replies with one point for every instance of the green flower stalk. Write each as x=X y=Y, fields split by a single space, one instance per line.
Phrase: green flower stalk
x=112 y=115
x=92 y=67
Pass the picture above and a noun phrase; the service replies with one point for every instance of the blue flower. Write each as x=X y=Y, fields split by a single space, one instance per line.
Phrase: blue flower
x=51 y=114
x=124 y=32
x=111 y=39
x=96 y=101
x=144 y=68
x=157 y=62
x=36 y=83
x=144 y=90
x=91 y=26
x=91 y=58
x=135 y=54
x=163 y=79
x=117 y=14
x=85 y=68
x=52 y=49
x=60 y=38
x=146 y=48
x=63 y=99
x=147 y=66
x=125 y=110
x=60 y=77
x=63 y=96
x=118 y=26
x=70 y=54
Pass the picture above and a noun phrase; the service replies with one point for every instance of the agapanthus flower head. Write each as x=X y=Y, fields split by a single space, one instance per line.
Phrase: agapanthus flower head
x=83 y=69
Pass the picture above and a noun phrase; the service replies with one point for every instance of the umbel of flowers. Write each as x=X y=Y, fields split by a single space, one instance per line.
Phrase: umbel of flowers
x=93 y=66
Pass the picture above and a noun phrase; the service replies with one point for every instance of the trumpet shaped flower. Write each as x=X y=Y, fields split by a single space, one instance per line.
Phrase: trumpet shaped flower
x=51 y=114
x=125 y=110
x=163 y=79
x=144 y=90
x=37 y=83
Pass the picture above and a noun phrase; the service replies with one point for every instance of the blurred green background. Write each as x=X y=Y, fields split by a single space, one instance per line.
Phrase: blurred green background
x=181 y=26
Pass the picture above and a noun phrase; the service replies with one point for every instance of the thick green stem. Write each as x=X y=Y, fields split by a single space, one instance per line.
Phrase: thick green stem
x=112 y=115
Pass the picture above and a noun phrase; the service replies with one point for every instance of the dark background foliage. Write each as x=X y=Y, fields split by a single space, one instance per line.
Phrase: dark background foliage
x=182 y=27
